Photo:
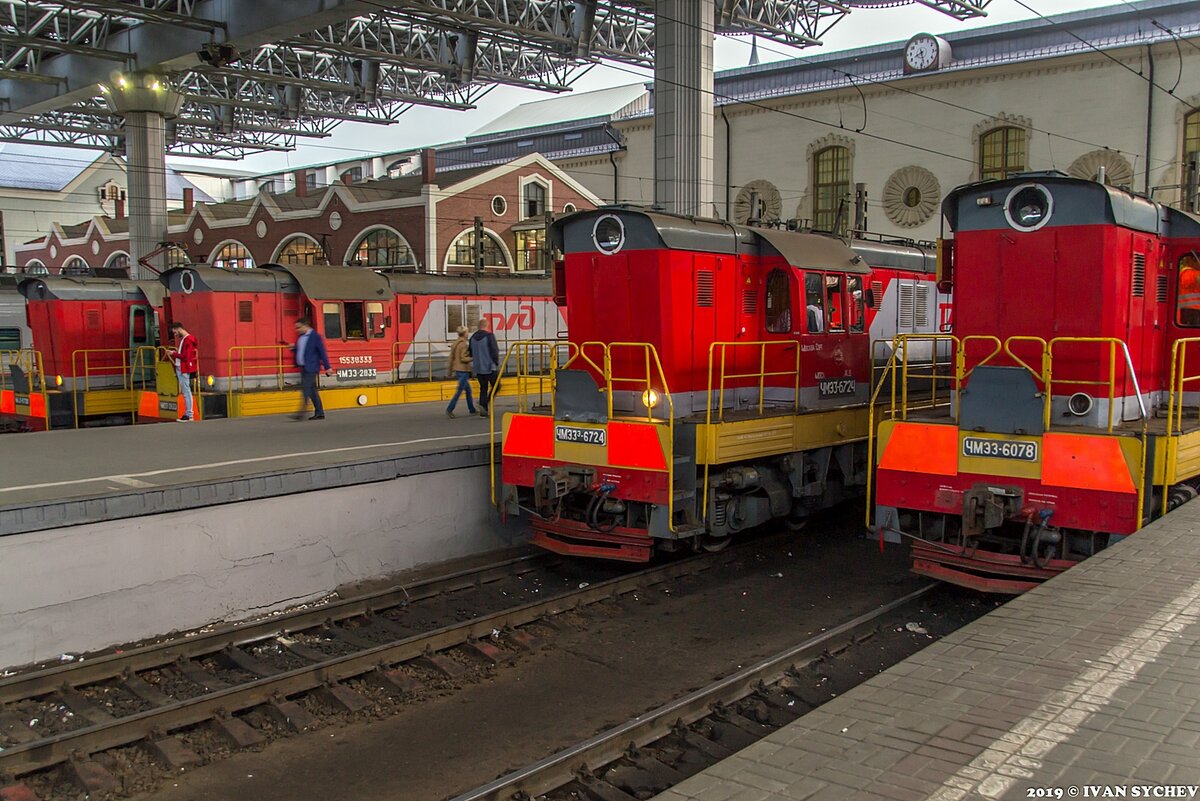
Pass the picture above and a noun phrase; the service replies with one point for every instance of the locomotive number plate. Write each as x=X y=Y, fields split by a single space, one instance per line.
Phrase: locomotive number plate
x=355 y=373
x=585 y=436
x=836 y=387
x=1021 y=449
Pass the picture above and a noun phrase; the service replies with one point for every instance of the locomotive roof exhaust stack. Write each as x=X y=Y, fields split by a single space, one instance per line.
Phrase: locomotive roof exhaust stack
x=1102 y=175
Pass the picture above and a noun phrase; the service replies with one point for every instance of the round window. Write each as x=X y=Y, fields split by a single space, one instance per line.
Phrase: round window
x=1028 y=207
x=912 y=197
x=608 y=234
x=187 y=282
x=499 y=206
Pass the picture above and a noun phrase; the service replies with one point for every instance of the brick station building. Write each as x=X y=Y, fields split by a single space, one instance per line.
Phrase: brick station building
x=427 y=221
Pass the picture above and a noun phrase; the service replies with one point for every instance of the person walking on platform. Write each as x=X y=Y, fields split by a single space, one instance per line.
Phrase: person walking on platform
x=485 y=361
x=310 y=358
x=460 y=368
x=185 y=354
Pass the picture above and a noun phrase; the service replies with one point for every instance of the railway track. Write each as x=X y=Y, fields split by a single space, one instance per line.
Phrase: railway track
x=660 y=748
x=151 y=693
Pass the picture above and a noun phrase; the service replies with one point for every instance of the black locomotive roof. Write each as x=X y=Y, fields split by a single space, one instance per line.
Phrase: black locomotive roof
x=466 y=284
x=1076 y=202
x=336 y=283
x=61 y=287
x=201 y=278
x=651 y=230
x=895 y=255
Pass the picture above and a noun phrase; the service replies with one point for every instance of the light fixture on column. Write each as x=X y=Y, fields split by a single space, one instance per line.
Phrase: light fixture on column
x=126 y=92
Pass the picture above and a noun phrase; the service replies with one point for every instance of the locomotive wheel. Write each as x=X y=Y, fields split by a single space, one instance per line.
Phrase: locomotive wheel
x=711 y=544
x=796 y=524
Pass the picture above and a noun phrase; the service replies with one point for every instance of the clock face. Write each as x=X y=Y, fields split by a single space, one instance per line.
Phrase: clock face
x=921 y=53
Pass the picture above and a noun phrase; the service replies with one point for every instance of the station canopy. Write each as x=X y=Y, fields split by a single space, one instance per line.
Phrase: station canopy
x=258 y=75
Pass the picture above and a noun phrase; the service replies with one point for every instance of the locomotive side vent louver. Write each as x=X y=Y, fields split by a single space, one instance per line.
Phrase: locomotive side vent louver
x=91 y=320
x=907 y=302
x=749 y=302
x=921 y=306
x=704 y=289
x=1160 y=290
x=245 y=311
x=1139 y=275
x=877 y=294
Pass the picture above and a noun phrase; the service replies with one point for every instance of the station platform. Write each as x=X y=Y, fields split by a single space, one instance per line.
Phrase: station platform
x=51 y=479
x=1081 y=688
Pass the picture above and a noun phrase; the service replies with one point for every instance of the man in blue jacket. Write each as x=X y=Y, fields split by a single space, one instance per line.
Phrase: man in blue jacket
x=310 y=358
x=485 y=361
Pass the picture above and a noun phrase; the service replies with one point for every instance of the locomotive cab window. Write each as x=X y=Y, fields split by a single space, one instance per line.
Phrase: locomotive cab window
x=835 y=305
x=376 y=322
x=779 y=302
x=1187 y=303
x=814 y=302
x=855 y=316
x=331 y=313
x=356 y=324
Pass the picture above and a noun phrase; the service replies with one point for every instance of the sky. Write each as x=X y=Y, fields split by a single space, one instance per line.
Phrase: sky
x=430 y=126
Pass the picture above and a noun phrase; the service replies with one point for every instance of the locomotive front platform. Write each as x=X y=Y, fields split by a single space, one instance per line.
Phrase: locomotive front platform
x=1087 y=684
x=113 y=534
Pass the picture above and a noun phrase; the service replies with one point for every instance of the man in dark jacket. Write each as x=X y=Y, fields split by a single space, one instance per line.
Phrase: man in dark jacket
x=310 y=358
x=485 y=361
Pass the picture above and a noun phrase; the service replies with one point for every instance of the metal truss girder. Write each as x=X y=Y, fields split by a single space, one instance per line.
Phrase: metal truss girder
x=959 y=9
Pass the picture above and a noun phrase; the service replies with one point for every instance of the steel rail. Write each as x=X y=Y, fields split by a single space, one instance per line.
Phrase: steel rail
x=563 y=767
x=47 y=752
x=111 y=666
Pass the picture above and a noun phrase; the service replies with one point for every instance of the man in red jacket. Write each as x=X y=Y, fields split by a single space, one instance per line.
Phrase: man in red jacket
x=186 y=355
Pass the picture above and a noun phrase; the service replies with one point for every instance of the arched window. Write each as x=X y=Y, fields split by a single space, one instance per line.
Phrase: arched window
x=300 y=249
x=118 y=261
x=382 y=247
x=535 y=200
x=232 y=255
x=831 y=186
x=35 y=267
x=1001 y=153
x=76 y=266
x=462 y=252
x=1191 y=160
x=178 y=257
x=352 y=175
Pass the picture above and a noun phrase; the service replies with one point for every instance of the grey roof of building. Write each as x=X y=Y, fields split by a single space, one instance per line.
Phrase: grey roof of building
x=46 y=168
x=600 y=104
x=1008 y=43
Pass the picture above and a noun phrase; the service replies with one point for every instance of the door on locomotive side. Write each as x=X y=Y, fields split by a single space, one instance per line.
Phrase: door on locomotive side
x=834 y=340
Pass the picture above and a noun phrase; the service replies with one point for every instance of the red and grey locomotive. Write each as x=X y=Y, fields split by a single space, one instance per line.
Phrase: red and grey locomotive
x=1067 y=417
x=715 y=378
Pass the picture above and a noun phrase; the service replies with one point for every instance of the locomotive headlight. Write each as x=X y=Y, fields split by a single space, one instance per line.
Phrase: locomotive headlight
x=210 y=380
x=649 y=399
x=608 y=234
x=58 y=380
x=1028 y=207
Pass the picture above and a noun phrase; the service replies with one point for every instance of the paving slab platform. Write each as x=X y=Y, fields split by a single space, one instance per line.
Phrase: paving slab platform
x=1088 y=686
x=60 y=478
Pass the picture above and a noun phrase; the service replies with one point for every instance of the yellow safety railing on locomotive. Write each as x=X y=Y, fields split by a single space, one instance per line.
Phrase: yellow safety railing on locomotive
x=1043 y=374
x=718 y=358
x=1176 y=392
x=83 y=365
x=651 y=368
x=552 y=351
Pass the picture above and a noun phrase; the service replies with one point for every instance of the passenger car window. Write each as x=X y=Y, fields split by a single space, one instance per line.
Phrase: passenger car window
x=332 y=315
x=779 y=302
x=814 y=303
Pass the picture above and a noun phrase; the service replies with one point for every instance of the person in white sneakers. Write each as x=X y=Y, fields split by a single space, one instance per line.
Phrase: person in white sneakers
x=186 y=355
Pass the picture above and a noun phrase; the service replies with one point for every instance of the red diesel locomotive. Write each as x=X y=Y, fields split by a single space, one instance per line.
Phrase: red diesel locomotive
x=1067 y=416
x=716 y=377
